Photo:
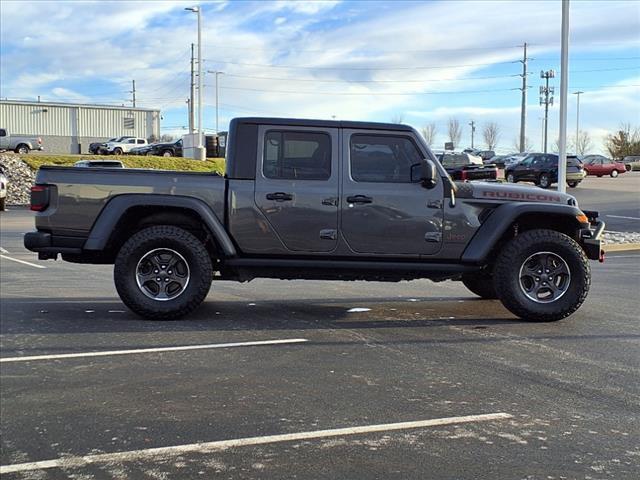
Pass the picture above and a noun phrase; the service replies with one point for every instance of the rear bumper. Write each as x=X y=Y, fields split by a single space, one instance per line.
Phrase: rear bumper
x=576 y=176
x=49 y=246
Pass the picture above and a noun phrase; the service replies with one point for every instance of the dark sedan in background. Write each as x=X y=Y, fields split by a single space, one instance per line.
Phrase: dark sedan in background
x=542 y=169
x=168 y=149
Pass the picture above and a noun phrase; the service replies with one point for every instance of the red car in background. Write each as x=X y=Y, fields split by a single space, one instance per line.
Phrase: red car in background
x=600 y=165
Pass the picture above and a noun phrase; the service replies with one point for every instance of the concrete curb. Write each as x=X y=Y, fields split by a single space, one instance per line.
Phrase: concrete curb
x=621 y=247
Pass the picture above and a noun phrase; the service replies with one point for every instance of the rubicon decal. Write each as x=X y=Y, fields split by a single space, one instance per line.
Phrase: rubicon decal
x=535 y=197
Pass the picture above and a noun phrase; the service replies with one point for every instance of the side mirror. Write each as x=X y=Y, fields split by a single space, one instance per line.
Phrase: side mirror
x=425 y=173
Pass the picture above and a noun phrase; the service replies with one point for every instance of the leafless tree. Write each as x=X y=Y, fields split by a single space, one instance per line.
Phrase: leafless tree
x=429 y=132
x=491 y=134
x=584 y=143
x=166 y=137
x=397 y=118
x=454 y=131
x=528 y=146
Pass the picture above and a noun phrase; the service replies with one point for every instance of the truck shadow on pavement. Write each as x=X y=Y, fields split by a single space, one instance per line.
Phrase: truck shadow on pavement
x=107 y=315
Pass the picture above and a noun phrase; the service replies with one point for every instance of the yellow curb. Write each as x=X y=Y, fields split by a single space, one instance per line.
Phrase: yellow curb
x=621 y=247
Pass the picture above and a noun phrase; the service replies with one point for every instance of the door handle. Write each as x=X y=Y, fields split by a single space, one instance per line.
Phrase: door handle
x=279 y=196
x=359 y=199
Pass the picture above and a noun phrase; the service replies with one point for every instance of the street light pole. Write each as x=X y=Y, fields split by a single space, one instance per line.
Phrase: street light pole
x=564 y=87
x=577 y=118
x=217 y=74
x=197 y=11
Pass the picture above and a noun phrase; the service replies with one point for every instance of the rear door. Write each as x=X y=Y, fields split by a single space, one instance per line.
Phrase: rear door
x=383 y=211
x=296 y=185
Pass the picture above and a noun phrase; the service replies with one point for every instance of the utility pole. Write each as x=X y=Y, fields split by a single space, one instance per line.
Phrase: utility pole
x=190 y=110
x=577 y=118
x=198 y=12
x=133 y=93
x=191 y=93
x=473 y=130
x=546 y=99
x=523 y=106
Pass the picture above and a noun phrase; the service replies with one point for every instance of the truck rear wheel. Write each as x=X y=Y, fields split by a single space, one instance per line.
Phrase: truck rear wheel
x=542 y=275
x=22 y=149
x=480 y=283
x=163 y=272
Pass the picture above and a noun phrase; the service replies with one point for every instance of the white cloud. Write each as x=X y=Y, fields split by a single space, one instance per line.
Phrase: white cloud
x=109 y=44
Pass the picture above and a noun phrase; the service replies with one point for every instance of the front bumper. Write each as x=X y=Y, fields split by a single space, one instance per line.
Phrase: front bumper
x=590 y=238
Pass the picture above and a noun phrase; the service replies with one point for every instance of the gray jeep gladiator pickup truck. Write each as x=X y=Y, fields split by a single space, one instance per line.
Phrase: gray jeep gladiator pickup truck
x=311 y=199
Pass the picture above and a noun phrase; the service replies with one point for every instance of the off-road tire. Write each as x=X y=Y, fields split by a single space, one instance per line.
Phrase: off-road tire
x=164 y=236
x=22 y=149
x=480 y=283
x=507 y=272
x=614 y=173
x=544 y=181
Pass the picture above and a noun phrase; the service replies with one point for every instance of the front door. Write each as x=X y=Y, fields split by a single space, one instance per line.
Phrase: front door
x=383 y=211
x=296 y=185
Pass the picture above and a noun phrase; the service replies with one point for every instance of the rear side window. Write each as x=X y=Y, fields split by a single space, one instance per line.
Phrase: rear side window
x=382 y=158
x=3 y=132
x=297 y=155
x=140 y=141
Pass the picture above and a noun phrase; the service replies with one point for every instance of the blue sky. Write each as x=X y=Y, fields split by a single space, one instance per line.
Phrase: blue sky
x=423 y=61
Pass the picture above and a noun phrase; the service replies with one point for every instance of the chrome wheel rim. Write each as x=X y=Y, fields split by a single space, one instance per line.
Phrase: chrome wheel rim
x=544 y=181
x=544 y=277
x=162 y=274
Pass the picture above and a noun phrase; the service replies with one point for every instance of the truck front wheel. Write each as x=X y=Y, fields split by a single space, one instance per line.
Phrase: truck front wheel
x=542 y=275
x=480 y=283
x=163 y=272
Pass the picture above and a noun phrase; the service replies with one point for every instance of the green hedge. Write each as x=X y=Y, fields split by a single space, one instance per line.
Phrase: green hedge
x=130 y=161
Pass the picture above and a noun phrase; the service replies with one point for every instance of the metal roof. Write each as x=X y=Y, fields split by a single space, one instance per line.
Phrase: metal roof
x=81 y=105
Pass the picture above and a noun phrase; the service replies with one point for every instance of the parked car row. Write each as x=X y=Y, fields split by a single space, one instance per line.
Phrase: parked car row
x=136 y=146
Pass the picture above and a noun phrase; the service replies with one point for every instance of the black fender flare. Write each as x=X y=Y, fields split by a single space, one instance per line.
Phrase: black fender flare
x=115 y=208
x=503 y=217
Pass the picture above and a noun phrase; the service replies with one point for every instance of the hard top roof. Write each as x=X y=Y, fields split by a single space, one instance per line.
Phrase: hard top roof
x=300 y=122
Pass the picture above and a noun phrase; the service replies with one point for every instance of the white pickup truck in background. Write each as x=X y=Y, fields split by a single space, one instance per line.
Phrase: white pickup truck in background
x=18 y=144
x=118 y=148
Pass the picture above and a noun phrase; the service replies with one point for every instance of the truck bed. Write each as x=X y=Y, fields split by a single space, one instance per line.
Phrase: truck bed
x=80 y=193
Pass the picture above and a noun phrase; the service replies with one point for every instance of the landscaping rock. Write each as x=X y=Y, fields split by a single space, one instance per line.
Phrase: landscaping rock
x=20 y=179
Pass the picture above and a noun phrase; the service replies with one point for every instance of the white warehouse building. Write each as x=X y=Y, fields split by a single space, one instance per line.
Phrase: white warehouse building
x=71 y=127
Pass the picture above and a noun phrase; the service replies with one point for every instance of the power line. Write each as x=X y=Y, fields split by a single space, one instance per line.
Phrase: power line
x=326 y=50
x=367 y=93
x=284 y=79
x=309 y=67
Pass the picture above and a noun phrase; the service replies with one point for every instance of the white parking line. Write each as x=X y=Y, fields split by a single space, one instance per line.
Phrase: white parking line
x=622 y=216
x=150 y=350
x=3 y=250
x=22 y=261
x=132 y=455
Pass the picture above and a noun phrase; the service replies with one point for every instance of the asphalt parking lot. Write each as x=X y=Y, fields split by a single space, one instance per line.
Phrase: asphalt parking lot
x=304 y=379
